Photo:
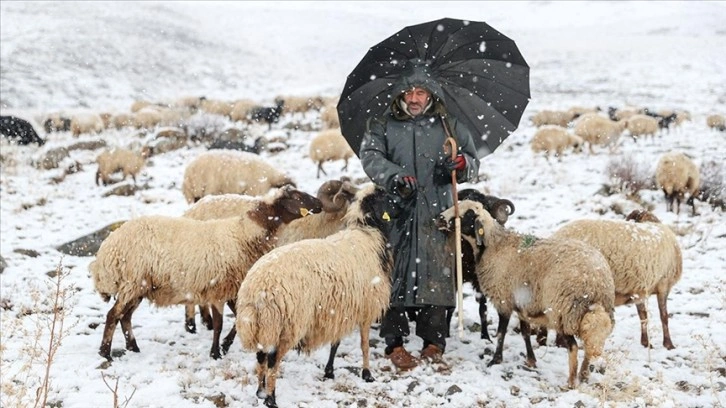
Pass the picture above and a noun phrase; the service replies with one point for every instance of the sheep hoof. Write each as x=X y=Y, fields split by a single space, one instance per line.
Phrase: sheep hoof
x=106 y=355
x=215 y=354
x=485 y=336
x=495 y=360
x=366 y=375
x=329 y=375
x=270 y=401
x=191 y=327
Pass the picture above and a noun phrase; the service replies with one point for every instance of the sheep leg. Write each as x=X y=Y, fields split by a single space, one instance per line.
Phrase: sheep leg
x=229 y=338
x=261 y=373
x=526 y=334
x=273 y=369
x=320 y=169
x=126 y=325
x=345 y=167
x=643 y=315
x=572 y=357
x=331 y=359
x=205 y=316
x=483 y=318
x=112 y=318
x=663 y=309
x=190 y=325
x=542 y=336
x=501 y=333
x=217 y=323
x=365 y=347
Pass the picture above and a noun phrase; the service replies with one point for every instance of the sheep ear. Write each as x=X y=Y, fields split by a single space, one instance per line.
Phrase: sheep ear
x=479 y=232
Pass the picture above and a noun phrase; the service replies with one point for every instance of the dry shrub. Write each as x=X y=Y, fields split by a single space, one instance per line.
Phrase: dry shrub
x=629 y=176
x=713 y=184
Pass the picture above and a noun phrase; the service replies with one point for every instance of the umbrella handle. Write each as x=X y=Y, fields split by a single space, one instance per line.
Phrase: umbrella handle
x=451 y=142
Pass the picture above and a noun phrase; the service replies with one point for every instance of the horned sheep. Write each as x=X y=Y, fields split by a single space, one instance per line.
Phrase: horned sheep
x=313 y=292
x=560 y=284
x=111 y=161
x=178 y=260
x=329 y=145
x=677 y=175
x=552 y=138
x=644 y=257
x=230 y=172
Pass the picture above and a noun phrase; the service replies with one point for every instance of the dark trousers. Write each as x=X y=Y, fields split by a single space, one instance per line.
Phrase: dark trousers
x=431 y=325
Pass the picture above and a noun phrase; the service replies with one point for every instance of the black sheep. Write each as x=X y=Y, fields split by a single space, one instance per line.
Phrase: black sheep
x=19 y=131
x=268 y=114
x=237 y=145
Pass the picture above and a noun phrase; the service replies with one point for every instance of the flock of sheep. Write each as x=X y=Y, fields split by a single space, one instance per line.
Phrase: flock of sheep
x=279 y=258
x=676 y=174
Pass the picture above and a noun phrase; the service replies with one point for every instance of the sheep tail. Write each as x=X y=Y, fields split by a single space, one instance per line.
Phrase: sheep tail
x=596 y=326
x=104 y=283
x=258 y=327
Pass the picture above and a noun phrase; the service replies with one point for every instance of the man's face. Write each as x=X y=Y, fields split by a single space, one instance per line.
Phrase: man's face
x=416 y=99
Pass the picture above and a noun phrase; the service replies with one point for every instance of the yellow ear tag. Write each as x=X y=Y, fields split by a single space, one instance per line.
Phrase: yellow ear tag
x=304 y=212
x=480 y=231
x=385 y=216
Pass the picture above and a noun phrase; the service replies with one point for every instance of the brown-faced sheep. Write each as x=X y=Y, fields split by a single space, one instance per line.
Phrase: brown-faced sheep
x=230 y=172
x=555 y=139
x=314 y=292
x=716 y=121
x=329 y=145
x=111 y=161
x=599 y=130
x=677 y=175
x=644 y=257
x=178 y=260
x=564 y=285
x=334 y=195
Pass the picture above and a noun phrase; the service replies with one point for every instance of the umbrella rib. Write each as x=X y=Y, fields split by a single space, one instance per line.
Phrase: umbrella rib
x=494 y=40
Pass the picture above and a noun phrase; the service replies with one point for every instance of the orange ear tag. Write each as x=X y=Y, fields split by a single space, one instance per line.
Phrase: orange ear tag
x=304 y=212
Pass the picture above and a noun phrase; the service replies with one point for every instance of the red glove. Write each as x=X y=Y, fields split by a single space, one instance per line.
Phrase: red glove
x=458 y=163
x=407 y=185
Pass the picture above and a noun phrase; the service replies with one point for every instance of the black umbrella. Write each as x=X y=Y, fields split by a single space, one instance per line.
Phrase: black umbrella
x=485 y=79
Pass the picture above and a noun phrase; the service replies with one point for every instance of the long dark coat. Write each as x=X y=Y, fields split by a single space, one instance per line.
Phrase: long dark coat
x=398 y=145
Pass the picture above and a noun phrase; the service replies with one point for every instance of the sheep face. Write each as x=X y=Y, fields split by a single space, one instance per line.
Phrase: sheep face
x=500 y=209
x=336 y=194
x=474 y=218
x=372 y=207
x=296 y=204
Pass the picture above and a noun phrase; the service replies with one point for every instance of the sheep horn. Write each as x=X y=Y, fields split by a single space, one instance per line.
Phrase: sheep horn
x=328 y=193
x=501 y=210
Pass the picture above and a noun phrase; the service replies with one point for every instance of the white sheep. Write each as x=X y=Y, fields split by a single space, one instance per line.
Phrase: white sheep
x=178 y=260
x=138 y=105
x=599 y=130
x=329 y=145
x=641 y=125
x=230 y=172
x=552 y=117
x=111 y=161
x=86 y=123
x=122 y=120
x=216 y=107
x=314 y=292
x=644 y=257
x=716 y=121
x=301 y=104
x=329 y=116
x=552 y=138
x=147 y=118
x=334 y=195
x=677 y=175
x=241 y=110
x=565 y=285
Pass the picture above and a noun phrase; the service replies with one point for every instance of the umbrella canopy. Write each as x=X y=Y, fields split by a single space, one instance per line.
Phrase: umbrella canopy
x=482 y=77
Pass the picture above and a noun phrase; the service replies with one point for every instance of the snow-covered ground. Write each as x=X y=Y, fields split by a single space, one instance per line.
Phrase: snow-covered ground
x=101 y=56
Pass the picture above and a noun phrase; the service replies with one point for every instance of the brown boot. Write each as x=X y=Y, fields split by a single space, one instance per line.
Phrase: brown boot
x=432 y=353
x=402 y=359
